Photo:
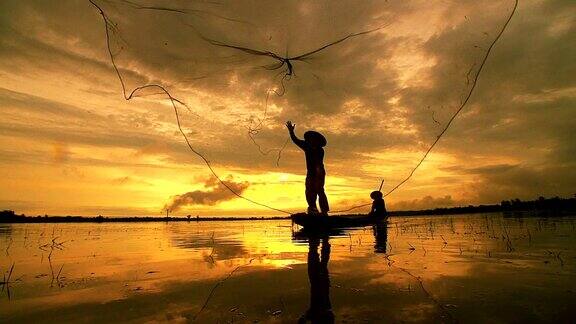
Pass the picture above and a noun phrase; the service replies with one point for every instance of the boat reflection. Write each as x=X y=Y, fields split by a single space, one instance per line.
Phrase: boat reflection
x=320 y=310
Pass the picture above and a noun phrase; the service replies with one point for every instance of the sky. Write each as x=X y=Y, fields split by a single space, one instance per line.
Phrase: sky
x=70 y=144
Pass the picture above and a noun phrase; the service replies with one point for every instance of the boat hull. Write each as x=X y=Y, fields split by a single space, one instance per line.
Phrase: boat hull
x=327 y=222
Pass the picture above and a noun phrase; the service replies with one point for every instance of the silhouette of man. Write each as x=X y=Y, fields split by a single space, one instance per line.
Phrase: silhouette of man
x=320 y=310
x=312 y=145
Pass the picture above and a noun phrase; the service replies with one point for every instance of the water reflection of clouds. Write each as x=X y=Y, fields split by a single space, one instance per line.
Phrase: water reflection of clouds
x=223 y=249
x=268 y=243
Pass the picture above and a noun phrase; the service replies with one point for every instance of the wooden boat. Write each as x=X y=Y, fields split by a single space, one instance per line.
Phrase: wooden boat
x=340 y=221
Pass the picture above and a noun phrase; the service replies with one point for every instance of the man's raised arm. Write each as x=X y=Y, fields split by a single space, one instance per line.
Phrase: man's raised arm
x=296 y=140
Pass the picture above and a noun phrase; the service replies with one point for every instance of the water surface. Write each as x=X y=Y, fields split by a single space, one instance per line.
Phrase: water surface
x=466 y=268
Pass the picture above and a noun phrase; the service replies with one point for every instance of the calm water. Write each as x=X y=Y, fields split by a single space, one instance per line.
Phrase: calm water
x=467 y=268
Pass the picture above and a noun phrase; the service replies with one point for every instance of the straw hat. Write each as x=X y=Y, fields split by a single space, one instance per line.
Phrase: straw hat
x=314 y=137
x=376 y=194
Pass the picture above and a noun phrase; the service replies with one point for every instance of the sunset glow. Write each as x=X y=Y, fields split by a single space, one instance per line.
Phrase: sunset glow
x=71 y=145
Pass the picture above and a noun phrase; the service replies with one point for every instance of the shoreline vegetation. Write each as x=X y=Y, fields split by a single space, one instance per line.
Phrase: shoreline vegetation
x=550 y=207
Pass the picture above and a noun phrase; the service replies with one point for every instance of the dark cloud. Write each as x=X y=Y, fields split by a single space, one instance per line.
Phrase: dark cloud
x=214 y=192
x=427 y=202
x=526 y=182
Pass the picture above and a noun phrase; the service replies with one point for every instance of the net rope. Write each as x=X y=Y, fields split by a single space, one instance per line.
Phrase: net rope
x=284 y=64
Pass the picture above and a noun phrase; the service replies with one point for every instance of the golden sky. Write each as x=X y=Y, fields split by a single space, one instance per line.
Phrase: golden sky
x=71 y=144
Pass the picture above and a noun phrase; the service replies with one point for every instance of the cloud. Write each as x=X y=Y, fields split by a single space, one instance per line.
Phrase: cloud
x=375 y=97
x=129 y=180
x=427 y=202
x=214 y=193
x=60 y=153
x=525 y=181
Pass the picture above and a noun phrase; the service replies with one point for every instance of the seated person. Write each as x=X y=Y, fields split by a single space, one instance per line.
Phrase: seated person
x=378 y=207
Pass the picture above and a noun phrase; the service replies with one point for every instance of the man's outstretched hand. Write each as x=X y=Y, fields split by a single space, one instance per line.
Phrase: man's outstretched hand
x=290 y=126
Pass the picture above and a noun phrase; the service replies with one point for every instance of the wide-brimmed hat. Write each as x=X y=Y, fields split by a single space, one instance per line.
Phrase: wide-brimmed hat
x=376 y=194
x=316 y=138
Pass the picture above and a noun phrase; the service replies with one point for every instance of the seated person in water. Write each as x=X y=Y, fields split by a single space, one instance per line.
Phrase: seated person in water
x=378 y=207
x=312 y=145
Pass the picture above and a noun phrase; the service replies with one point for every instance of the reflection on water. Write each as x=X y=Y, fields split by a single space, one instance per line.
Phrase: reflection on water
x=320 y=310
x=469 y=268
x=380 y=237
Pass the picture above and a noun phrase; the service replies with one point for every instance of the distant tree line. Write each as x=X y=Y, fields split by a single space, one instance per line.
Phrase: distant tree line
x=552 y=204
x=9 y=216
x=555 y=206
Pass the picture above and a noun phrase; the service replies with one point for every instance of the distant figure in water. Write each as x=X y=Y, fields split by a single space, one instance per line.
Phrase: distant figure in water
x=378 y=207
x=312 y=145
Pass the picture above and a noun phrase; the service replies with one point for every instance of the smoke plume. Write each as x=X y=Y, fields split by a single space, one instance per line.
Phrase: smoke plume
x=213 y=193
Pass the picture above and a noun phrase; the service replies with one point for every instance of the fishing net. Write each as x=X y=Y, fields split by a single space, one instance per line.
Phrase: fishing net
x=382 y=80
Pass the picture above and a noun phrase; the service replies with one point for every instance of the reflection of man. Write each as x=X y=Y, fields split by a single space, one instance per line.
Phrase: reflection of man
x=380 y=237
x=320 y=310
